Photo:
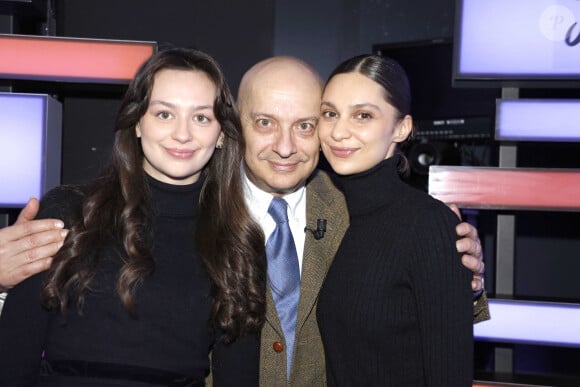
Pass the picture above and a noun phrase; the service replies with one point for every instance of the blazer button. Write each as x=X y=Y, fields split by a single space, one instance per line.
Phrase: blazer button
x=278 y=346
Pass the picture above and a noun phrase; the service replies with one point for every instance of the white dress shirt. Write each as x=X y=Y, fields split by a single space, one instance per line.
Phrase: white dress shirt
x=258 y=202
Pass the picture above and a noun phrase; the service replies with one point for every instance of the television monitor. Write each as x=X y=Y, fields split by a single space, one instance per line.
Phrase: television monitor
x=30 y=146
x=454 y=126
x=441 y=111
x=517 y=43
x=538 y=120
x=529 y=322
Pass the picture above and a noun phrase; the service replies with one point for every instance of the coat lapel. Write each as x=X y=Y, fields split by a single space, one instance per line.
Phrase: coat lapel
x=271 y=314
x=323 y=201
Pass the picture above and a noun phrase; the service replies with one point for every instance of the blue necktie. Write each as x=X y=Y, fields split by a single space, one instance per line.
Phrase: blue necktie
x=284 y=274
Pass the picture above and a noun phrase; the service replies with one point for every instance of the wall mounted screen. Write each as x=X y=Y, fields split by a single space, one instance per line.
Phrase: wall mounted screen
x=532 y=43
x=531 y=323
x=30 y=146
x=70 y=59
x=537 y=120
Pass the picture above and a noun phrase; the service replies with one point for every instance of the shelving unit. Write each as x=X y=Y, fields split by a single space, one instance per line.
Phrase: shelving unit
x=497 y=188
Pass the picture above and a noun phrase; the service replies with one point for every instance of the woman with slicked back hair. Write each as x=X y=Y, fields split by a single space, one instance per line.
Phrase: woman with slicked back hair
x=396 y=307
x=162 y=263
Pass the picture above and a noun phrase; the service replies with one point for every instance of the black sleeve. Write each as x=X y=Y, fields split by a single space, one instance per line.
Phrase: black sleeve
x=24 y=321
x=237 y=363
x=23 y=326
x=444 y=299
x=62 y=203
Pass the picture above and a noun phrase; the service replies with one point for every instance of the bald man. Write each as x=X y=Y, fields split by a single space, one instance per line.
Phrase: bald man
x=279 y=104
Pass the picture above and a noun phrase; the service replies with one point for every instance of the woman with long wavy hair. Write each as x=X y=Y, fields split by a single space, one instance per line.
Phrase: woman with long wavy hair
x=162 y=263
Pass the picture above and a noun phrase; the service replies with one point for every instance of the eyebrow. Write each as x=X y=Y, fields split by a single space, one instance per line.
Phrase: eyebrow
x=355 y=106
x=312 y=118
x=171 y=105
x=255 y=115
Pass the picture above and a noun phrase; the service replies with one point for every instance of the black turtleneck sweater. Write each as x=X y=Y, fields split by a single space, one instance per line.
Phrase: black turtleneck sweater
x=170 y=332
x=396 y=308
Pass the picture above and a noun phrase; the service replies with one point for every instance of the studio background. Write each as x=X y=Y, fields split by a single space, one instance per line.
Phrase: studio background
x=322 y=33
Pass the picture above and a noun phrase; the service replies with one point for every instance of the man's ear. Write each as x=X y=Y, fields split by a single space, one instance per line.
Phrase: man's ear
x=404 y=129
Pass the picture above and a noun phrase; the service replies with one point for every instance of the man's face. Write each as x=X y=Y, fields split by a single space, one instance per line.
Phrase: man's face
x=279 y=122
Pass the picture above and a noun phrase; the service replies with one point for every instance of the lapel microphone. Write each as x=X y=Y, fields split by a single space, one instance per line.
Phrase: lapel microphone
x=320 y=229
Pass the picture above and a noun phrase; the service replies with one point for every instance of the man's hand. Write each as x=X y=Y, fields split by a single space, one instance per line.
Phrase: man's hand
x=27 y=247
x=470 y=246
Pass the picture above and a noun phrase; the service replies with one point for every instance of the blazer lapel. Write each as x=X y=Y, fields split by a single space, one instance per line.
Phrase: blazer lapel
x=271 y=314
x=323 y=201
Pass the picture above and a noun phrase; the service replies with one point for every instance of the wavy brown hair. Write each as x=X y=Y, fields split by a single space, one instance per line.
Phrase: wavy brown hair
x=117 y=209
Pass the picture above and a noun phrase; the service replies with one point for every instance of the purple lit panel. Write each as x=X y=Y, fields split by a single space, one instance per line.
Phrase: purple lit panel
x=26 y=162
x=518 y=37
x=538 y=120
x=531 y=322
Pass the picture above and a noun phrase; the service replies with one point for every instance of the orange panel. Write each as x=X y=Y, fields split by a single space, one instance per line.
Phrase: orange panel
x=516 y=188
x=71 y=60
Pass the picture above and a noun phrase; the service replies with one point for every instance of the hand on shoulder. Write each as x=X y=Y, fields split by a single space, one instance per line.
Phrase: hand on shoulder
x=470 y=246
x=27 y=247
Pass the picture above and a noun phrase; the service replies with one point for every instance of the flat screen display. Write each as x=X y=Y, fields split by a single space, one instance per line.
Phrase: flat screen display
x=531 y=323
x=517 y=43
x=428 y=65
x=30 y=147
x=538 y=120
